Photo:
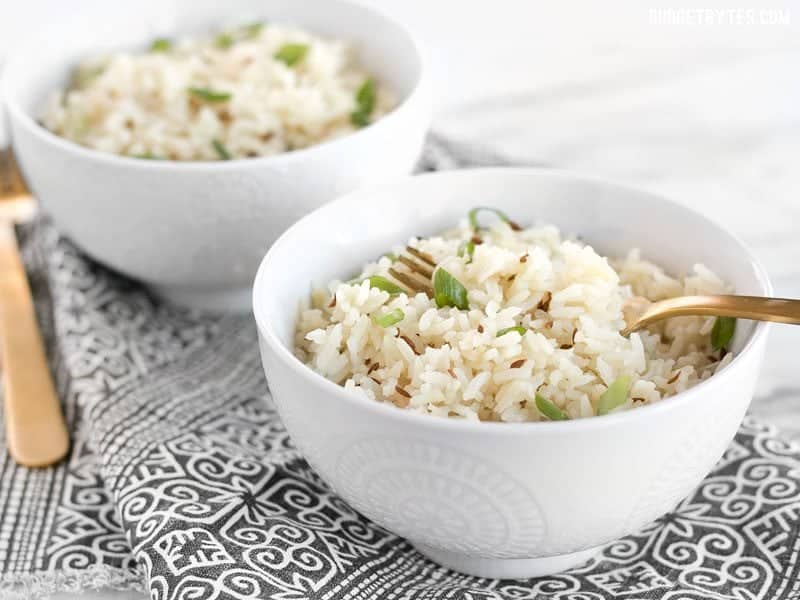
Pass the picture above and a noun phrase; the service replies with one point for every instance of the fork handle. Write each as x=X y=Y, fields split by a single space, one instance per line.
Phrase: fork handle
x=35 y=429
x=757 y=308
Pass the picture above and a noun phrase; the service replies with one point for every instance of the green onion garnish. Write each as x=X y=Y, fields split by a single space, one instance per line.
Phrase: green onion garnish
x=390 y=318
x=473 y=217
x=614 y=396
x=722 y=333
x=391 y=256
x=383 y=284
x=209 y=95
x=147 y=156
x=291 y=54
x=550 y=410
x=359 y=119
x=448 y=291
x=518 y=328
x=83 y=77
x=467 y=249
x=365 y=104
x=161 y=45
x=246 y=32
x=252 y=30
x=222 y=151
x=224 y=41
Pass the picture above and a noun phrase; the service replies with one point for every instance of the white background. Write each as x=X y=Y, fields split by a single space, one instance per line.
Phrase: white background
x=707 y=113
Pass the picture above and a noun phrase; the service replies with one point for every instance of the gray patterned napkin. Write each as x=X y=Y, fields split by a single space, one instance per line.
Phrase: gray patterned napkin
x=183 y=482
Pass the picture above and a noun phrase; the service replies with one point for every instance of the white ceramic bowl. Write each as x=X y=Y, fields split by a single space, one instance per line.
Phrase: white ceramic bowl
x=197 y=231
x=502 y=499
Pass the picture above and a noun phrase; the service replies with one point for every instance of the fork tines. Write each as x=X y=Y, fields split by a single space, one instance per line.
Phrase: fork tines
x=424 y=257
x=420 y=271
x=416 y=267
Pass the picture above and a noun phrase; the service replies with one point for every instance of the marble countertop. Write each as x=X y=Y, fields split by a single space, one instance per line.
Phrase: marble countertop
x=706 y=113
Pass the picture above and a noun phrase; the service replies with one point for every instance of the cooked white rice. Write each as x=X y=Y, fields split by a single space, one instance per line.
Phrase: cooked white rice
x=451 y=362
x=140 y=104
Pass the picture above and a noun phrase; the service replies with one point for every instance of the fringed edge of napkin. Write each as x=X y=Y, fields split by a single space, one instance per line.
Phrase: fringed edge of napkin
x=43 y=584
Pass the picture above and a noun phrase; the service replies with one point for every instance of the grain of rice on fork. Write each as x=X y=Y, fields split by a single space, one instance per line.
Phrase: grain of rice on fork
x=538 y=338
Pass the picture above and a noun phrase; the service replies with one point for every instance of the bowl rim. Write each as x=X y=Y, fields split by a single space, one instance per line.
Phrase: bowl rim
x=416 y=95
x=382 y=409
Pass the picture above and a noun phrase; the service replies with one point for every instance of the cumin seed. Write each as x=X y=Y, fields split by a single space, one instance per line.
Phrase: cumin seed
x=401 y=402
x=408 y=341
x=544 y=303
x=517 y=363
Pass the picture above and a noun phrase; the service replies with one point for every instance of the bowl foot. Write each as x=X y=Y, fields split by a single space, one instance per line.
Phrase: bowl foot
x=237 y=300
x=507 y=568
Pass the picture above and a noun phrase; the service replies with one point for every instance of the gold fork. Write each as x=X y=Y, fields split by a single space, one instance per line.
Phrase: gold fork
x=640 y=312
x=35 y=430
x=418 y=273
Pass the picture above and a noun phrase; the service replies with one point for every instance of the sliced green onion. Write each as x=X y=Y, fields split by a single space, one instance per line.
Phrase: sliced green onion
x=359 y=119
x=390 y=318
x=365 y=104
x=209 y=95
x=365 y=96
x=252 y=30
x=518 y=328
x=383 y=284
x=83 y=77
x=614 y=396
x=550 y=410
x=291 y=54
x=222 y=151
x=79 y=125
x=224 y=41
x=473 y=217
x=161 y=45
x=722 y=333
x=467 y=249
x=227 y=39
x=147 y=156
x=448 y=291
